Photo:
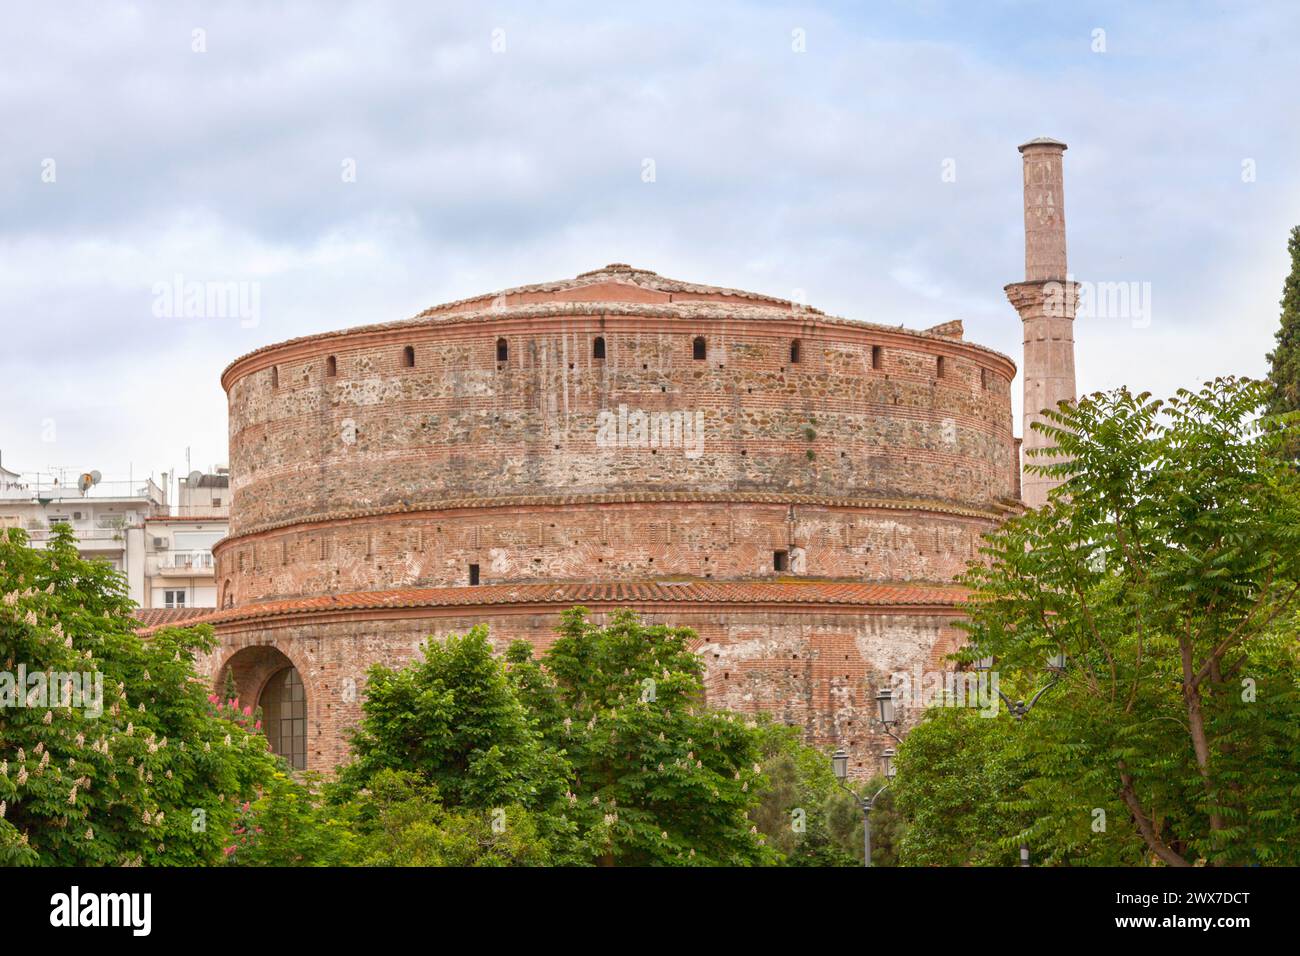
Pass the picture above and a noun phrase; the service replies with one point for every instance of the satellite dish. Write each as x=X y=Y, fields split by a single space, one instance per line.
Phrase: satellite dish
x=87 y=480
x=194 y=477
x=95 y=477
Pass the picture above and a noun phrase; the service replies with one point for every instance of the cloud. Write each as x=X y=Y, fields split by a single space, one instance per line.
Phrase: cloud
x=776 y=170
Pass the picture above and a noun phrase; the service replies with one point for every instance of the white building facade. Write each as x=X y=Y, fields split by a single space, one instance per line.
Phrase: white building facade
x=166 y=556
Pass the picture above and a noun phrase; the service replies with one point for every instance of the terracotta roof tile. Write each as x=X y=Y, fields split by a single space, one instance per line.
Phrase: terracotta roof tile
x=153 y=617
x=803 y=592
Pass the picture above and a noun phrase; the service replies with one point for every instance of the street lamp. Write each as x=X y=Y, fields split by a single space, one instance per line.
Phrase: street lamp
x=840 y=764
x=885 y=703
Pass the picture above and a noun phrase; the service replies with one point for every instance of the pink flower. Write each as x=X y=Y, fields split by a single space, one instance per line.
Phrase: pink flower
x=257 y=726
x=213 y=699
x=248 y=711
x=230 y=850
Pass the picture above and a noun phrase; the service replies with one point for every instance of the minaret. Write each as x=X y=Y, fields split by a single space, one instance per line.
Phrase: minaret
x=1046 y=303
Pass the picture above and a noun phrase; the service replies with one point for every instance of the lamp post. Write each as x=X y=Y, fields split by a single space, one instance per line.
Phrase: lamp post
x=840 y=764
x=1019 y=709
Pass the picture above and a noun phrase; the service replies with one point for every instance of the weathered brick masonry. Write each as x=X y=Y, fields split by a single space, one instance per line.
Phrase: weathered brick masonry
x=809 y=532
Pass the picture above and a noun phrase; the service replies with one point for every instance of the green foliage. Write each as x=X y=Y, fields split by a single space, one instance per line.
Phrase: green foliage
x=151 y=776
x=1166 y=569
x=401 y=821
x=803 y=813
x=290 y=824
x=958 y=773
x=658 y=779
x=454 y=719
x=1284 y=360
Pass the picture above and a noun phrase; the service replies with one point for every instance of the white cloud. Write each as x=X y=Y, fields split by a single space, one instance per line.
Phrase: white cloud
x=476 y=170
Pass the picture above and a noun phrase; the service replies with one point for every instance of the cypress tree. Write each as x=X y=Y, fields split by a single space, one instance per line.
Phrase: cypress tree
x=1284 y=361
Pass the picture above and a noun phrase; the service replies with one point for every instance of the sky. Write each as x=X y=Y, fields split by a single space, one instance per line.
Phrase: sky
x=350 y=163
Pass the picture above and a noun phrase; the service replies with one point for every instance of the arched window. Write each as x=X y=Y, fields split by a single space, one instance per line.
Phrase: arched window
x=938 y=367
x=699 y=349
x=227 y=595
x=331 y=367
x=275 y=376
x=598 y=347
x=794 y=352
x=408 y=357
x=877 y=356
x=503 y=350
x=284 y=716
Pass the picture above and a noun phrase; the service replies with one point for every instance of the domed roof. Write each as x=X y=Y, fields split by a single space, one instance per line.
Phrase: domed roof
x=616 y=282
x=614 y=289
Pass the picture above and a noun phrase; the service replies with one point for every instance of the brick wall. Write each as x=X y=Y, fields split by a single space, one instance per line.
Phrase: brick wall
x=378 y=434
x=492 y=432
x=585 y=542
x=819 y=669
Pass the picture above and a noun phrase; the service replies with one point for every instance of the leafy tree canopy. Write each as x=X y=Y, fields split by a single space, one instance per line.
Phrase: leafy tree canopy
x=147 y=773
x=1166 y=568
x=658 y=778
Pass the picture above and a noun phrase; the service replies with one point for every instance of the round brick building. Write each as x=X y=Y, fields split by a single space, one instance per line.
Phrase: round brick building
x=798 y=488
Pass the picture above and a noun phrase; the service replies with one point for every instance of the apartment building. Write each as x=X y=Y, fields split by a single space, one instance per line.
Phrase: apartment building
x=163 y=549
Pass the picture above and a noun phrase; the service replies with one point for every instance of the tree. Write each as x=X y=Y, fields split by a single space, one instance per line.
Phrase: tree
x=454 y=720
x=803 y=813
x=658 y=778
x=958 y=774
x=109 y=750
x=401 y=821
x=1166 y=568
x=1284 y=360
x=291 y=824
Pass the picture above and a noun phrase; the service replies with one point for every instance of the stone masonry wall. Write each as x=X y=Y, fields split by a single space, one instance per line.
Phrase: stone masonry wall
x=509 y=433
x=608 y=542
x=815 y=669
x=461 y=424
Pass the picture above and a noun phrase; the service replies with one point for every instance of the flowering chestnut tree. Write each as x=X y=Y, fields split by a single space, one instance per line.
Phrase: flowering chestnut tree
x=110 y=751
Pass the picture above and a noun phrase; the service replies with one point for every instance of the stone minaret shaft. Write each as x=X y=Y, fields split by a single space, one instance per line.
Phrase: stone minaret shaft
x=1046 y=303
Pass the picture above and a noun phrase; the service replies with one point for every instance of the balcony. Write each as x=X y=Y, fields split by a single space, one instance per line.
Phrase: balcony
x=88 y=539
x=185 y=564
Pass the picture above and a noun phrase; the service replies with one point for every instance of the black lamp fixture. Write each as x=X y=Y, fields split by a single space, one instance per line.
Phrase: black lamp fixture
x=885 y=707
x=840 y=764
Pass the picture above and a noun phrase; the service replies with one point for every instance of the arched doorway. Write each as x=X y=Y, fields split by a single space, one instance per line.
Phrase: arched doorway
x=284 y=716
x=266 y=677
